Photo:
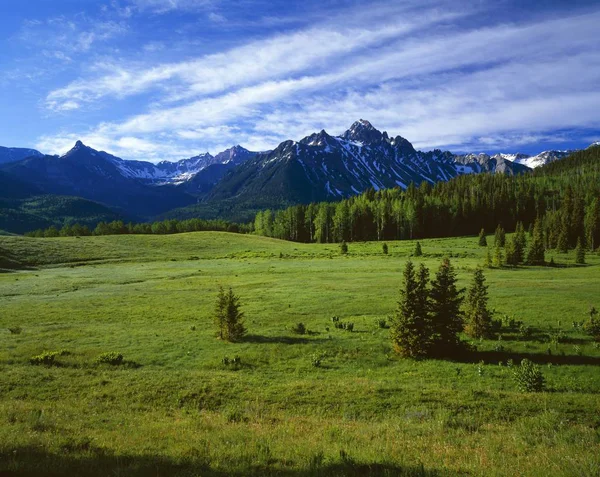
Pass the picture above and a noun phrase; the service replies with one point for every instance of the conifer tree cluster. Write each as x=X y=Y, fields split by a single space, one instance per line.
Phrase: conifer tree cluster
x=499 y=237
x=429 y=317
x=228 y=317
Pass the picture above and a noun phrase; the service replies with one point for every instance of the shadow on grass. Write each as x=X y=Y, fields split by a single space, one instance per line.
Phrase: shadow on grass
x=539 y=358
x=276 y=339
x=30 y=462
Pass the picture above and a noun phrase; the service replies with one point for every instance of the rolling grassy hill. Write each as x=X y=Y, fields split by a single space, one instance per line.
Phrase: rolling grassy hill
x=174 y=408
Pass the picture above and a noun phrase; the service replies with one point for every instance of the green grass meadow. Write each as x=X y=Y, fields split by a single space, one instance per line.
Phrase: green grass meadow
x=173 y=407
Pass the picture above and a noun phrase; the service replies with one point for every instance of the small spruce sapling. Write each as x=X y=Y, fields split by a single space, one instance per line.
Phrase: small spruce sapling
x=344 y=248
x=478 y=319
x=482 y=239
x=579 y=253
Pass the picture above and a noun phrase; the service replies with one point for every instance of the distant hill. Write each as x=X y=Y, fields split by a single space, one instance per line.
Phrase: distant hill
x=13 y=154
x=93 y=175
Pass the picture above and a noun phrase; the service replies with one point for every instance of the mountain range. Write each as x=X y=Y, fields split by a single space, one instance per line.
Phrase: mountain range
x=316 y=168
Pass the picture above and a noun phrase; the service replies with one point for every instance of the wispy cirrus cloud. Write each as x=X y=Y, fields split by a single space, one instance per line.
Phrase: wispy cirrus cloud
x=305 y=52
x=63 y=36
x=428 y=75
x=163 y=6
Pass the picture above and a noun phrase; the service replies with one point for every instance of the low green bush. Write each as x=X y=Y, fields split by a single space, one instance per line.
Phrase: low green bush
x=299 y=329
x=47 y=358
x=111 y=357
x=528 y=377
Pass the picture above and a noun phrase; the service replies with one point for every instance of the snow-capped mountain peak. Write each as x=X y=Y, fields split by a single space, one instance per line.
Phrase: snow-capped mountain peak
x=165 y=172
x=363 y=132
x=542 y=158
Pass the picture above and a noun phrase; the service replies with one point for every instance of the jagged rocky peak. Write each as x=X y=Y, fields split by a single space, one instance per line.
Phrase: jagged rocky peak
x=79 y=146
x=236 y=155
x=364 y=132
x=317 y=139
x=403 y=145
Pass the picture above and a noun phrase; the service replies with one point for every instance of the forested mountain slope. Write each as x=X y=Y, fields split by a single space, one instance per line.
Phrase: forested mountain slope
x=565 y=195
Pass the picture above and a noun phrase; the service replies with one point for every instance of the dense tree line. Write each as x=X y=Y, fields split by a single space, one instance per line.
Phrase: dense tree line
x=564 y=196
x=118 y=227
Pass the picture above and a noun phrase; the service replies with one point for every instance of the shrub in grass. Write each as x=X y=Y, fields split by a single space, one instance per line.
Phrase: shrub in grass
x=113 y=358
x=47 y=358
x=15 y=330
x=342 y=325
x=528 y=377
x=384 y=248
x=510 y=322
x=382 y=323
x=344 y=248
x=592 y=326
x=236 y=415
x=525 y=332
x=316 y=359
x=299 y=329
x=234 y=362
x=498 y=348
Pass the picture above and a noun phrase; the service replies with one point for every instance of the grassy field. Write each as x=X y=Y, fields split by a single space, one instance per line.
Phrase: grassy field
x=173 y=407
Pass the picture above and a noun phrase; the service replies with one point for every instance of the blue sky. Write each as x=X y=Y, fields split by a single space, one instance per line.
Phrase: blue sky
x=167 y=79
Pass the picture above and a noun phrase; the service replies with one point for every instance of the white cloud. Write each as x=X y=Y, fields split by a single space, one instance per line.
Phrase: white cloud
x=436 y=84
x=61 y=37
x=163 y=6
x=216 y=17
x=263 y=60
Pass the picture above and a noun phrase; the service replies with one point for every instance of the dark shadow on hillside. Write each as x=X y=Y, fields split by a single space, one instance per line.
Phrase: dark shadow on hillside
x=275 y=339
x=32 y=462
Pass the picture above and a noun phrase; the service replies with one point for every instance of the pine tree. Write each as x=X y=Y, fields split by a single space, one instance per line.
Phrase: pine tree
x=563 y=238
x=593 y=225
x=234 y=328
x=407 y=329
x=220 y=313
x=520 y=243
x=510 y=250
x=418 y=251
x=488 y=259
x=423 y=305
x=579 y=252
x=498 y=258
x=535 y=255
x=478 y=319
x=482 y=239
x=499 y=237
x=446 y=316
